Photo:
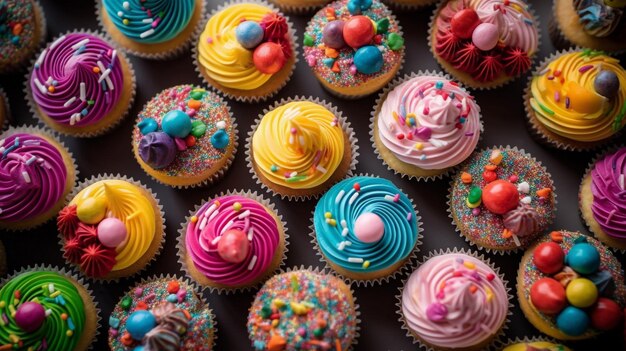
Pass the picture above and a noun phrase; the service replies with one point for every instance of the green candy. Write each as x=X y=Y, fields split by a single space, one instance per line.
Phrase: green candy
x=308 y=40
x=266 y=311
x=395 y=41
x=318 y=332
x=197 y=94
x=382 y=25
x=126 y=302
x=198 y=128
x=474 y=195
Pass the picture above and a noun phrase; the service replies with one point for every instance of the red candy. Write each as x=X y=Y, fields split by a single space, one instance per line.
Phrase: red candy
x=548 y=296
x=233 y=246
x=358 y=31
x=489 y=176
x=268 y=58
x=606 y=315
x=464 y=22
x=500 y=196
x=548 y=257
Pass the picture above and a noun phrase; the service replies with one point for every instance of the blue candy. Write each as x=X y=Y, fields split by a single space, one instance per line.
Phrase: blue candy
x=220 y=139
x=139 y=348
x=583 y=258
x=572 y=321
x=176 y=124
x=139 y=323
x=356 y=6
x=148 y=125
x=249 y=34
x=172 y=298
x=368 y=60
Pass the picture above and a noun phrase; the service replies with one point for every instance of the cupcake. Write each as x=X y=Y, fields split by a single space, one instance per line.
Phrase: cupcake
x=596 y=24
x=354 y=47
x=37 y=172
x=575 y=100
x=112 y=228
x=410 y=4
x=298 y=6
x=300 y=147
x=454 y=301
x=533 y=344
x=47 y=308
x=571 y=287
x=162 y=313
x=81 y=85
x=366 y=229
x=232 y=241
x=484 y=43
x=23 y=30
x=185 y=136
x=247 y=50
x=5 y=111
x=424 y=125
x=158 y=29
x=303 y=309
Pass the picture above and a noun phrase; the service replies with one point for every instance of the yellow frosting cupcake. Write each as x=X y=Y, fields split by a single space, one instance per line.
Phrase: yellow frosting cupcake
x=537 y=345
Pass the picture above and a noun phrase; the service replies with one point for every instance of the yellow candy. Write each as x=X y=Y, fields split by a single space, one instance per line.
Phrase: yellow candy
x=91 y=210
x=469 y=265
x=581 y=292
x=496 y=157
x=584 y=100
x=471 y=205
x=328 y=215
x=419 y=146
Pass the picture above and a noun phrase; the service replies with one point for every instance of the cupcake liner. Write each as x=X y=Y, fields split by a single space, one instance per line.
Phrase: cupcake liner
x=68 y=274
x=32 y=105
x=411 y=258
x=181 y=247
x=382 y=96
x=42 y=23
x=471 y=84
x=499 y=344
x=408 y=7
x=499 y=251
x=168 y=54
x=501 y=333
x=7 y=110
x=299 y=9
x=38 y=130
x=345 y=125
x=247 y=99
x=94 y=179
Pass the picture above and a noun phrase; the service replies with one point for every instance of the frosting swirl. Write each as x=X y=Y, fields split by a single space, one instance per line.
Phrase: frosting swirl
x=454 y=301
x=597 y=18
x=536 y=346
x=609 y=193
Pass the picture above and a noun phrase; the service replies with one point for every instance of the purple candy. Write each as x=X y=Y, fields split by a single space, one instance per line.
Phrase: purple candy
x=157 y=149
x=30 y=316
x=436 y=312
x=332 y=35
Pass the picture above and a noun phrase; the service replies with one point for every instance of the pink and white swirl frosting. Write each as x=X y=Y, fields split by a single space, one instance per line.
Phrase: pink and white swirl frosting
x=232 y=212
x=430 y=122
x=454 y=301
x=77 y=79
x=32 y=176
x=609 y=193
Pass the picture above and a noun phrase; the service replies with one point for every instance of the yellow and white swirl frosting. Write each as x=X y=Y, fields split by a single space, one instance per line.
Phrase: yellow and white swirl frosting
x=566 y=103
x=298 y=145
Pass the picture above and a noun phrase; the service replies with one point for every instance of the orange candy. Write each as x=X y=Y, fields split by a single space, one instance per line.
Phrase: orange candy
x=17 y=29
x=141 y=306
x=194 y=104
x=173 y=287
x=466 y=178
x=276 y=343
x=557 y=237
x=545 y=192
x=126 y=339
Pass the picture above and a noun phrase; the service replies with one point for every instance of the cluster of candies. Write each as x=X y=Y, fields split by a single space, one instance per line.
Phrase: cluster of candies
x=9 y=29
x=575 y=289
x=359 y=33
x=268 y=41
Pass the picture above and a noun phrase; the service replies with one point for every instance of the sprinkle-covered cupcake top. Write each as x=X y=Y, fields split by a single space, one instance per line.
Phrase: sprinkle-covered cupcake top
x=302 y=310
x=365 y=224
x=608 y=189
x=350 y=42
x=18 y=31
x=77 y=79
x=454 y=301
x=150 y=22
x=164 y=314
x=580 y=95
x=429 y=122
x=41 y=311
x=600 y=18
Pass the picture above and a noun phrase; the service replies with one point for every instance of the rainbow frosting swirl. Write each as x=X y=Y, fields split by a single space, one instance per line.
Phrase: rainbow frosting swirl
x=454 y=301
x=608 y=189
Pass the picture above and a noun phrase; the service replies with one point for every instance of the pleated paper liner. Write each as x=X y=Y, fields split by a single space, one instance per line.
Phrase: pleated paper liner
x=409 y=5
x=466 y=78
x=70 y=183
x=248 y=96
x=215 y=287
x=169 y=49
x=435 y=174
x=5 y=110
x=298 y=7
x=499 y=335
x=42 y=25
x=524 y=242
x=211 y=179
x=153 y=250
x=500 y=345
x=92 y=311
x=126 y=100
x=402 y=269
x=347 y=131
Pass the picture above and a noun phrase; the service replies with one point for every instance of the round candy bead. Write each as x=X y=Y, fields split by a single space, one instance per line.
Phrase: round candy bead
x=464 y=22
x=583 y=258
x=606 y=83
x=606 y=315
x=249 y=34
x=148 y=125
x=220 y=139
x=548 y=296
x=30 y=316
x=139 y=323
x=485 y=36
x=572 y=321
x=268 y=58
x=91 y=210
x=233 y=246
x=581 y=292
x=500 y=196
x=332 y=35
x=368 y=60
x=548 y=257
x=176 y=124
x=474 y=195
x=111 y=232
x=369 y=228
x=358 y=31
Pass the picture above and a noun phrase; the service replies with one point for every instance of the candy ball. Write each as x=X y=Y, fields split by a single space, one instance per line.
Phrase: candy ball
x=358 y=31
x=220 y=139
x=30 y=316
x=606 y=315
x=485 y=36
x=268 y=58
x=368 y=60
x=176 y=124
x=548 y=257
x=606 y=84
x=249 y=34
x=581 y=292
x=548 y=296
x=572 y=321
x=583 y=258
x=111 y=232
x=500 y=196
x=332 y=35
x=464 y=22
x=369 y=228
x=139 y=323
x=233 y=246
x=91 y=210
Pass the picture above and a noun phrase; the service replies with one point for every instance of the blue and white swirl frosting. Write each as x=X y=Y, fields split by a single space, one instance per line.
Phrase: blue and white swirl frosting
x=150 y=21
x=365 y=224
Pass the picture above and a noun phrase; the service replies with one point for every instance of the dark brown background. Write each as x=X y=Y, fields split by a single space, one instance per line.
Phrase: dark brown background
x=504 y=125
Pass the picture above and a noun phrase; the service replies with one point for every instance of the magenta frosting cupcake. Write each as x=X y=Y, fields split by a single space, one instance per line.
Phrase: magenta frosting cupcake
x=81 y=85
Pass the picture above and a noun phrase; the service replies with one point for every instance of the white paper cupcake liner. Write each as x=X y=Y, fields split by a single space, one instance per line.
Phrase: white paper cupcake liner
x=505 y=325
x=499 y=344
x=32 y=105
x=181 y=246
x=94 y=179
x=4 y=100
x=42 y=23
x=347 y=130
x=291 y=34
x=378 y=105
x=300 y=9
x=499 y=251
